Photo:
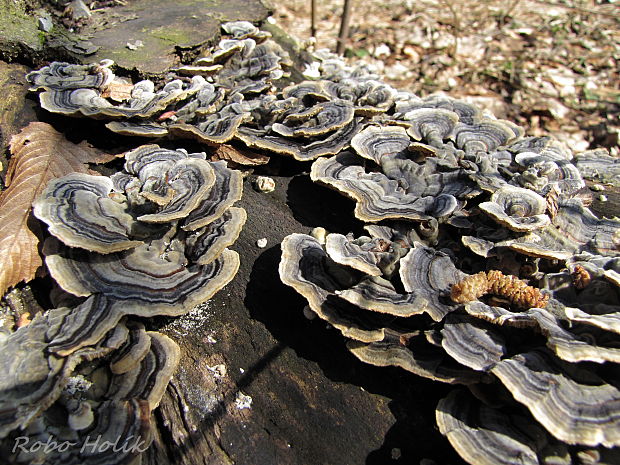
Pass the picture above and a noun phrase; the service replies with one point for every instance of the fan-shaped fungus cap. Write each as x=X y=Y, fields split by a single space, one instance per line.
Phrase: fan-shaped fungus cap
x=376 y=142
x=130 y=354
x=143 y=103
x=430 y=274
x=226 y=190
x=472 y=342
x=147 y=283
x=363 y=254
x=33 y=378
x=486 y=436
x=485 y=136
x=323 y=118
x=148 y=379
x=575 y=405
x=61 y=76
x=243 y=30
x=79 y=211
x=129 y=128
x=516 y=208
x=179 y=190
x=414 y=352
x=377 y=196
x=207 y=243
x=303 y=151
x=432 y=125
x=306 y=267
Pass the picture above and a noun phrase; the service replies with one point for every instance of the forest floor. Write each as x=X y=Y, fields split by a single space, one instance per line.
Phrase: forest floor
x=550 y=66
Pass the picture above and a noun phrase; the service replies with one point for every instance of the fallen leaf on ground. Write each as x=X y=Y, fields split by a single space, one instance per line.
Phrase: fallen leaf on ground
x=40 y=153
x=240 y=157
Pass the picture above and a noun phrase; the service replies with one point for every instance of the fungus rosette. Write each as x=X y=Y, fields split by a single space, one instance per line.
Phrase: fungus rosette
x=151 y=240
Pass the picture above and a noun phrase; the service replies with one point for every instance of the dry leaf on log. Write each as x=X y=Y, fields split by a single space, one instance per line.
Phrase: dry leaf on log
x=239 y=157
x=40 y=153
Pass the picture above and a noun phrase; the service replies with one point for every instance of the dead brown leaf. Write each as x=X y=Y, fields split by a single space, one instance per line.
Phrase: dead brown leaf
x=118 y=91
x=239 y=157
x=40 y=153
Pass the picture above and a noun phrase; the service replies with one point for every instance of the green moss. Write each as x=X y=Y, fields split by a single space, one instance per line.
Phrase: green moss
x=42 y=38
x=16 y=26
x=173 y=36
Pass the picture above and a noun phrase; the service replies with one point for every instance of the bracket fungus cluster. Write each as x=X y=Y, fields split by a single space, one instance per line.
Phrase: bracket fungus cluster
x=482 y=266
x=149 y=240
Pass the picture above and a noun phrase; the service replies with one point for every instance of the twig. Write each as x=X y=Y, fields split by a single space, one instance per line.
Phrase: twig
x=312 y=18
x=343 y=35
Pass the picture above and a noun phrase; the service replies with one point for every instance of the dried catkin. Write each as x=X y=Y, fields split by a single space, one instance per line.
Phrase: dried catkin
x=471 y=288
x=495 y=282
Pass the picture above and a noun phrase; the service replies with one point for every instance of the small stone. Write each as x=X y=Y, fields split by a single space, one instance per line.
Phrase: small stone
x=79 y=10
x=598 y=187
x=262 y=243
x=602 y=198
x=134 y=46
x=45 y=23
x=264 y=184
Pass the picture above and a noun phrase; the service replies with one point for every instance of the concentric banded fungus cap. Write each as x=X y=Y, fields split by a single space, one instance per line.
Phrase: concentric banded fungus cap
x=486 y=436
x=115 y=422
x=485 y=136
x=323 y=118
x=226 y=190
x=144 y=101
x=306 y=267
x=518 y=209
x=598 y=165
x=84 y=325
x=207 y=243
x=302 y=151
x=415 y=353
x=430 y=274
x=371 y=97
x=471 y=342
x=33 y=378
x=573 y=404
x=129 y=128
x=78 y=210
x=363 y=254
x=377 y=294
x=376 y=142
x=62 y=76
x=148 y=379
x=377 y=196
x=244 y=30
x=215 y=128
x=146 y=283
x=130 y=354
x=187 y=184
x=432 y=125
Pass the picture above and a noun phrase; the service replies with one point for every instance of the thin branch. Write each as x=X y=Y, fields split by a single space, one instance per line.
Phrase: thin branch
x=343 y=35
x=312 y=18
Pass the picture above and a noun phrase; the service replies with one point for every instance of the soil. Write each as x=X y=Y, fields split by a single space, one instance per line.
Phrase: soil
x=550 y=66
